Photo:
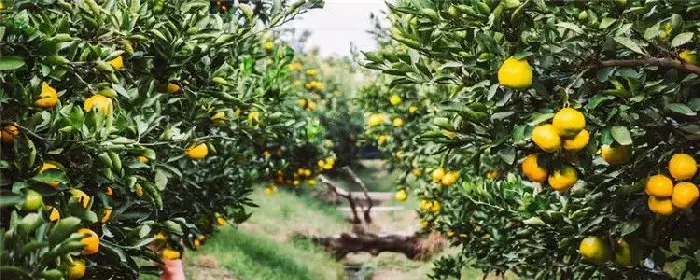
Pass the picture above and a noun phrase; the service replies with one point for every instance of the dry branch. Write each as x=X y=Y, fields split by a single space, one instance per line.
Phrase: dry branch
x=342 y=193
x=410 y=245
x=367 y=217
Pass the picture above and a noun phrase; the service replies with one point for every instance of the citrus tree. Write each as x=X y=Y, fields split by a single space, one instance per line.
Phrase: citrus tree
x=569 y=128
x=131 y=128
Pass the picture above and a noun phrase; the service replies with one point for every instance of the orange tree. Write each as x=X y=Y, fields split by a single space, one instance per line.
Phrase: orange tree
x=586 y=114
x=130 y=128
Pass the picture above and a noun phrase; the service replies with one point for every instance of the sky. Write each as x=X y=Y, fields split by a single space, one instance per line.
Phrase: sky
x=338 y=24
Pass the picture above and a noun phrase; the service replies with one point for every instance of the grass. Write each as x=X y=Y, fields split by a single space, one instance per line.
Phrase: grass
x=263 y=248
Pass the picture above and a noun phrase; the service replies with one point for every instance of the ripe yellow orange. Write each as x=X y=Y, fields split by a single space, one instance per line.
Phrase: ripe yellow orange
x=173 y=88
x=302 y=102
x=579 y=142
x=170 y=254
x=375 y=119
x=492 y=174
x=220 y=221
x=8 y=133
x=108 y=191
x=659 y=185
x=395 y=100
x=568 y=122
x=117 y=63
x=143 y=159
x=594 y=249
x=218 y=119
x=688 y=57
x=615 y=155
x=102 y=103
x=450 y=178
x=106 y=215
x=382 y=139
x=515 y=73
x=91 y=241
x=661 y=205
x=682 y=166
x=438 y=174
x=270 y=190
x=563 y=179
x=311 y=72
x=436 y=206
x=546 y=137
x=80 y=196
x=685 y=194
x=76 y=270
x=269 y=45
x=397 y=122
x=48 y=165
x=412 y=109
x=54 y=215
x=48 y=97
x=426 y=205
x=311 y=182
x=197 y=151
x=401 y=195
x=139 y=190
x=312 y=106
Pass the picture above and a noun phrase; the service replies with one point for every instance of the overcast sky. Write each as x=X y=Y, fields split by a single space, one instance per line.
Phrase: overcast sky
x=340 y=23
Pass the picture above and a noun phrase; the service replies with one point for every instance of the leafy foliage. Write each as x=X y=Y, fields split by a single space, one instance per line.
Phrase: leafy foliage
x=618 y=62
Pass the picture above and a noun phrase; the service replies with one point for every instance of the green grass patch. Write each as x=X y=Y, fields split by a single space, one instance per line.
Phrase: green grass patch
x=251 y=256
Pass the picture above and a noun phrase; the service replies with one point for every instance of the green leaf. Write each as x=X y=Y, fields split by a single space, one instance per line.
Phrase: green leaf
x=621 y=134
x=628 y=43
x=607 y=22
x=681 y=109
x=9 y=63
x=64 y=228
x=569 y=25
x=681 y=39
x=538 y=118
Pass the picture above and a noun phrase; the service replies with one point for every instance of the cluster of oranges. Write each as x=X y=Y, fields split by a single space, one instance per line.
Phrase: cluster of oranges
x=445 y=176
x=567 y=131
x=307 y=104
x=665 y=197
x=315 y=85
x=327 y=163
x=430 y=205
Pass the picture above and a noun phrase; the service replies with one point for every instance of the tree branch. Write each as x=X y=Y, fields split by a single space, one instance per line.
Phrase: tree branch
x=359 y=181
x=344 y=194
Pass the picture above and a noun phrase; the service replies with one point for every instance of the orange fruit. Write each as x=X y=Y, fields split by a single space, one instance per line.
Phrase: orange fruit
x=515 y=73
x=76 y=270
x=563 y=179
x=594 y=249
x=661 y=205
x=546 y=137
x=197 y=152
x=102 y=103
x=450 y=178
x=170 y=254
x=48 y=97
x=106 y=214
x=91 y=241
x=8 y=133
x=579 y=142
x=532 y=170
x=615 y=155
x=682 y=166
x=438 y=173
x=569 y=122
x=659 y=185
x=685 y=194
